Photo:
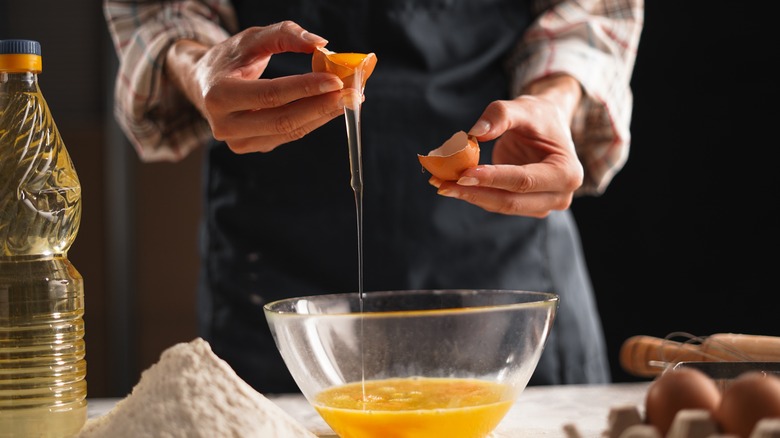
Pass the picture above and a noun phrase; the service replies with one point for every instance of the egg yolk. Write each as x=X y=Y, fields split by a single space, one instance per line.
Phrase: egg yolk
x=349 y=60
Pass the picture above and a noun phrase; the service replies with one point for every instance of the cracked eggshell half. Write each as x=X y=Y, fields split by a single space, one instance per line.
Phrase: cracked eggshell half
x=450 y=159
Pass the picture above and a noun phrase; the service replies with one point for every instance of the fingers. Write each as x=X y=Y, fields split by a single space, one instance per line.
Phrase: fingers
x=285 y=36
x=531 y=190
x=525 y=113
x=537 y=204
x=545 y=176
x=266 y=143
x=494 y=121
x=240 y=95
x=290 y=121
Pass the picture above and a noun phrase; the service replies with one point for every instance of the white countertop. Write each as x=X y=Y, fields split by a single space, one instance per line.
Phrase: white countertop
x=540 y=411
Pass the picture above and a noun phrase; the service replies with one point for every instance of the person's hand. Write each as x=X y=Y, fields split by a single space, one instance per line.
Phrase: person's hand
x=535 y=167
x=248 y=112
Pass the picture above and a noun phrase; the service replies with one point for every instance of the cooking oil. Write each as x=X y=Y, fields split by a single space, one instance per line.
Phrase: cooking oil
x=43 y=384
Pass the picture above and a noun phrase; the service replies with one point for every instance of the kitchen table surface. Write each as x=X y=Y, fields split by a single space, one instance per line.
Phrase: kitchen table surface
x=540 y=411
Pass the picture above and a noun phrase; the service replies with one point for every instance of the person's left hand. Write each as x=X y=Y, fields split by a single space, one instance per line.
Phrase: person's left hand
x=535 y=167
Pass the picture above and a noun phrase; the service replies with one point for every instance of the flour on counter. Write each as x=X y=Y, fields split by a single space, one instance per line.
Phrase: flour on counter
x=192 y=393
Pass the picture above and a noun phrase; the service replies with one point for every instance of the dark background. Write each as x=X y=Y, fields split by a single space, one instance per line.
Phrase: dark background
x=686 y=236
x=684 y=239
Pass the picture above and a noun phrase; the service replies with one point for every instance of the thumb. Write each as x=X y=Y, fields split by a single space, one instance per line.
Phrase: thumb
x=493 y=122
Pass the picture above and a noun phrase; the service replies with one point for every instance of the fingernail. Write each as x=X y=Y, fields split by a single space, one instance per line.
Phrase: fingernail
x=313 y=38
x=482 y=127
x=447 y=192
x=468 y=181
x=331 y=85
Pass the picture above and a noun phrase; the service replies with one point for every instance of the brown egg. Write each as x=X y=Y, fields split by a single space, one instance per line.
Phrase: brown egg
x=450 y=159
x=749 y=398
x=347 y=66
x=678 y=389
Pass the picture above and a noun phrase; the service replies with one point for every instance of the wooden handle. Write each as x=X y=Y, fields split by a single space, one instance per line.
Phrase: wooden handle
x=738 y=347
x=647 y=356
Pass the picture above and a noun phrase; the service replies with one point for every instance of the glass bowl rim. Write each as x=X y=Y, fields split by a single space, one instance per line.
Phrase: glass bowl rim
x=549 y=299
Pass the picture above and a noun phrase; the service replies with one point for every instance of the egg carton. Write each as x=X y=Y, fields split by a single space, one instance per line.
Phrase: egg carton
x=627 y=422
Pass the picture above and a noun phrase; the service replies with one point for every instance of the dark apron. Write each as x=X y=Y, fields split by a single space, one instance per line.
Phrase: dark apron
x=283 y=224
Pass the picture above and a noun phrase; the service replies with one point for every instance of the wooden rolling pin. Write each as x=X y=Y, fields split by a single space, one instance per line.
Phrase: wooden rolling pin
x=647 y=356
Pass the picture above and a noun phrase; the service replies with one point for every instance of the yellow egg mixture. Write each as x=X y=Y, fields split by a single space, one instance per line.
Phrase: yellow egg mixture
x=415 y=407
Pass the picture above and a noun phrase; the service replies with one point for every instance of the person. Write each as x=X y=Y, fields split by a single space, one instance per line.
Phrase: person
x=543 y=85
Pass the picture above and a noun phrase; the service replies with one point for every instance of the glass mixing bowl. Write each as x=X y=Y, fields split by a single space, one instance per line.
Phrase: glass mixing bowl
x=413 y=363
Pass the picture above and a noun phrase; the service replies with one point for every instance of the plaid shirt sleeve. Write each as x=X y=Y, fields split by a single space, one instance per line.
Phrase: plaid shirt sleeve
x=594 y=41
x=158 y=121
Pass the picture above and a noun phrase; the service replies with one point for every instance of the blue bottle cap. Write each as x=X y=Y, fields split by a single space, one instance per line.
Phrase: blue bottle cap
x=20 y=47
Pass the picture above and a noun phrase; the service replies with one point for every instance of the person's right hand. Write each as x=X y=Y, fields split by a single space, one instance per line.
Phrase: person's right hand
x=248 y=112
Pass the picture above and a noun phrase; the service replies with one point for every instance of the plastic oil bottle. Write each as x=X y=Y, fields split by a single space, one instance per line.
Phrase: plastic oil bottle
x=43 y=384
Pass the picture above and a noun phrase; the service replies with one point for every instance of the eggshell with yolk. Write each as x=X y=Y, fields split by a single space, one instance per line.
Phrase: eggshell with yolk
x=347 y=66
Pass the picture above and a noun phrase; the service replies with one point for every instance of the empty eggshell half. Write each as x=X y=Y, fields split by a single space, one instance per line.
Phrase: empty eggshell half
x=450 y=159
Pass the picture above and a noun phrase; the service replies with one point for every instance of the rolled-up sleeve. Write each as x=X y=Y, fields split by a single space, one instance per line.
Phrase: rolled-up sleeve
x=160 y=123
x=594 y=41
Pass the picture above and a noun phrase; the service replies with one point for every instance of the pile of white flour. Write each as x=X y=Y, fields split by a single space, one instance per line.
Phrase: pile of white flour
x=193 y=393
